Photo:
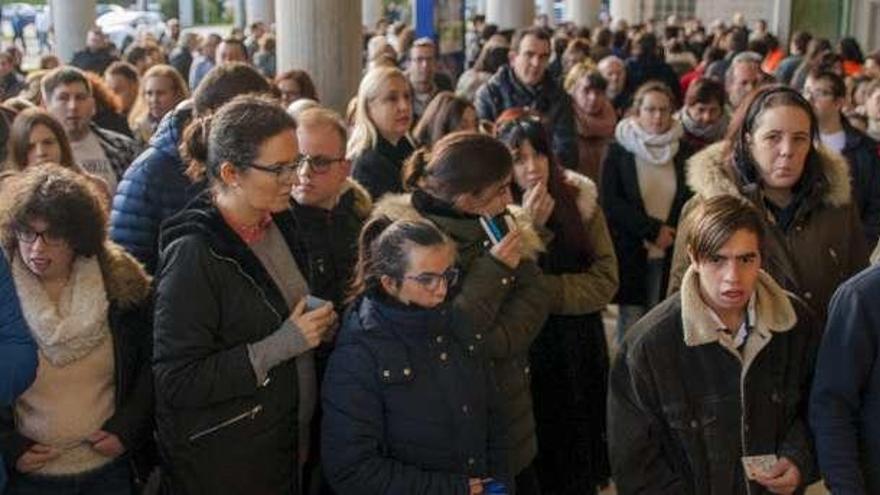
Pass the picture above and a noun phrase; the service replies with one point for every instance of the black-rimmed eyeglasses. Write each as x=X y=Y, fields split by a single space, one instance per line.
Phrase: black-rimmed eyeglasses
x=432 y=281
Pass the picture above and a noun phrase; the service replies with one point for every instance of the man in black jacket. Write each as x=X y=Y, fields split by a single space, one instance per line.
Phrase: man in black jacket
x=527 y=83
x=826 y=92
x=716 y=375
x=329 y=209
x=96 y=56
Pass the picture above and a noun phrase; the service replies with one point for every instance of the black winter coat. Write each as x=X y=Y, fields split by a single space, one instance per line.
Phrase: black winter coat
x=379 y=169
x=504 y=91
x=408 y=409
x=863 y=156
x=629 y=223
x=640 y=70
x=219 y=430
x=673 y=434
x=129 y=318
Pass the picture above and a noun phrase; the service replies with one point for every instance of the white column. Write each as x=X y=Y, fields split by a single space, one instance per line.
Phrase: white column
x=547 y=8
x=510 y=14
x=323 y=38
x=372 y=10
x=623 y=9
x=72 y=19
x=260 y=10
x=186 y=12
x=584 y=13
x=481 y=6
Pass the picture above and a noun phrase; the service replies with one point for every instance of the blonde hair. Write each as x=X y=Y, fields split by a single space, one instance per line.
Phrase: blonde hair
x=576 y=72
x=139 y=109
x=364 y=133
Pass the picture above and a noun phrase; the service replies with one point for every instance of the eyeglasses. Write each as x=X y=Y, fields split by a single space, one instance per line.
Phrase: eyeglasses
x=432 y=281
x=318 y=164
x=284 y=172
x=29 y=236
x=817 y=93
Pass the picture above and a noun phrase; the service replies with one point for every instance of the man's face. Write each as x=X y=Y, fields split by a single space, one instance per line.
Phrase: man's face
x=530 y=62
x=423 y=63
x=705 y=114
x=94 y=41
x=728 y=277
x=319 y=183
x=72 y=104
x=5 y=66
x=615 y=74
x=744 y=79
x=820 y=94
x=230 y=52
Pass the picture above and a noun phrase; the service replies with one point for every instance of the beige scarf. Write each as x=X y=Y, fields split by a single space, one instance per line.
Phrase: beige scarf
x=78 y=324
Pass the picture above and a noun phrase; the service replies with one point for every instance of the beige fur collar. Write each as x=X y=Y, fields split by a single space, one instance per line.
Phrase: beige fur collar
x=587 y=193
x=775 y=312
x=363 y=203
x=399 y=206
x=709 y=174
x=126 y=281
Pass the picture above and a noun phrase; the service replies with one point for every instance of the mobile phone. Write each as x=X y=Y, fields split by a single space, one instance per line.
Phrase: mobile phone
x=313 y=303
x=498 y=226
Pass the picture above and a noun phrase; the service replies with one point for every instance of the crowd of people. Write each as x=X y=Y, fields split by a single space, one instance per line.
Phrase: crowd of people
x=211 y=283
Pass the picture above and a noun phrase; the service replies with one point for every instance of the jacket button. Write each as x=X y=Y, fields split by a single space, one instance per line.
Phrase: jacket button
x=504 y=281
x=407 y=372
x=386 y=373
x=439 y=339
x=471 y=348
x=471 y=461
x=485 y=243
x=513 y=278
x=465 y=408
x=694 y=423
x=478 y=336
x=799 y=228
x=443 y=356
x=527 y=370
x=808 y=295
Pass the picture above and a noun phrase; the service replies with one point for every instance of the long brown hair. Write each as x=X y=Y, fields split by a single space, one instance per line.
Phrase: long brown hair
x=20 y=138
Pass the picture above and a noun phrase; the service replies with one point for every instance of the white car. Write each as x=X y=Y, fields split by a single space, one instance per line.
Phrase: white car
x=122 y=27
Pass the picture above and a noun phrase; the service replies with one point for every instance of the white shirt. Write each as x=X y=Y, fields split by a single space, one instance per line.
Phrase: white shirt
x=89 y=154
x=835 y=141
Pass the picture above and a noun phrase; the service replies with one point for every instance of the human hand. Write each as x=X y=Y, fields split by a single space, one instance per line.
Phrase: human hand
x=313 y=324
x=36 y=457
x=509 y=250
x=665 y=238
x=783 y=478
x=538 y=203
x=107 y=444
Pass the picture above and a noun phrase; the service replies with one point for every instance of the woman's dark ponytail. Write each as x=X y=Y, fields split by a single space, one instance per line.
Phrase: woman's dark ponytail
x=194 y=147
x=415 y=168
x=369 y=233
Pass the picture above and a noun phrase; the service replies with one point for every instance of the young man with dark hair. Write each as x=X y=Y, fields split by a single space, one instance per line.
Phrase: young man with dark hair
x=708 y=393
x=423 y=76
x=526 y=82
x=67 y=95
x=796 y=51
x=826 y=92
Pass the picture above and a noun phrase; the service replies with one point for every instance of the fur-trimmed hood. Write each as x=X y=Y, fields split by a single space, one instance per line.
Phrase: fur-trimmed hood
x=399 y=206
x=363 y=202
x=125 y=279
x=709 y=174
x=587 y=193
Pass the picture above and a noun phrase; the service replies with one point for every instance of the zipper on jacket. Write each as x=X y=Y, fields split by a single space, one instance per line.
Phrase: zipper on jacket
x=742 y=426
x=249 y=414
x=253 y=283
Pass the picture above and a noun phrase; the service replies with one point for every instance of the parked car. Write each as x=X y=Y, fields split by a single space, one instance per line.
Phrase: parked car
x=122 y=27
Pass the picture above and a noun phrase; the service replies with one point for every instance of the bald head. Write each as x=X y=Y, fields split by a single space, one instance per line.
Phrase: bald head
x=613 y=70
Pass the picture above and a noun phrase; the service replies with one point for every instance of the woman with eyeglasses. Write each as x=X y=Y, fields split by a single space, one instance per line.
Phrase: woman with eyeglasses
x=772 y=157
x=234 y=376
x=462 y=183
x=84 y=424
x=569 y=357
x=643 y=190
x=408 y=406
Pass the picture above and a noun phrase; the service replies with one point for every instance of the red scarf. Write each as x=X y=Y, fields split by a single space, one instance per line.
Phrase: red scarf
x=250 y=234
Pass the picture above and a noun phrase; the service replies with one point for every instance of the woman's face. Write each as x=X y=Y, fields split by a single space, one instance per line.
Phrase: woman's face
x=290 y=91
x=160 y=96
x=125 y=88
x=43 y=146
x=491 y=201
x=529 y=167
x=426 y=281
x=588 y=99
x=779 y=144
x=469 y=121
x=266 y=191
x=655 y=113
x=46 y=255
x=391 y=109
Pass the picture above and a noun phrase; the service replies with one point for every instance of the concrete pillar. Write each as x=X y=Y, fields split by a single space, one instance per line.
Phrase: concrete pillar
x=186 y=12
x=510 y=14
x=239 y=14
x=373 y=10
x=260 y=10
x=584 y=13
x=481 y=6
x=323 y=38
x=624 y=9
x=72 y=20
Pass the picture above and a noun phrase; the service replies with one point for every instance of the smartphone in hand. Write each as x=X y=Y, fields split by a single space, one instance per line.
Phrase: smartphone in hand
x=313 y=303
x=498 y=226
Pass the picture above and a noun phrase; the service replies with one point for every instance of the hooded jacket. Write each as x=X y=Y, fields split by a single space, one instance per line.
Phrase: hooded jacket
x=129 y=293
x=824 y=244
x=153 y=189
x=671 y=434
x=219 y=429
x=506 y=309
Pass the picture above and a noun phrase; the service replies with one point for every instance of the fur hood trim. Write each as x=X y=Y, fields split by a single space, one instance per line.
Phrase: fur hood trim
x=363 y=203
x=399 y=206
x=709 y=174
x=125 y=279
x=587 y=193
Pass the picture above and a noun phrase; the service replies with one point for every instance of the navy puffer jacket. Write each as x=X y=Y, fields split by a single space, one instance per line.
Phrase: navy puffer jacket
x=153 y=188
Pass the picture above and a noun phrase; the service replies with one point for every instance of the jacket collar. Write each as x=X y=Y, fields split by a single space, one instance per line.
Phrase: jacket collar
x=773 y=310
x=710 y=174
x=587 y=193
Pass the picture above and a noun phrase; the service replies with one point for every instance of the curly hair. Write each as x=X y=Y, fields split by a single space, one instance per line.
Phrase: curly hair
x=65 y=200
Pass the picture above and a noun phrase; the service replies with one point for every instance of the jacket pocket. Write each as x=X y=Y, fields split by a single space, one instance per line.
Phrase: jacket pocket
x=248 y=415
